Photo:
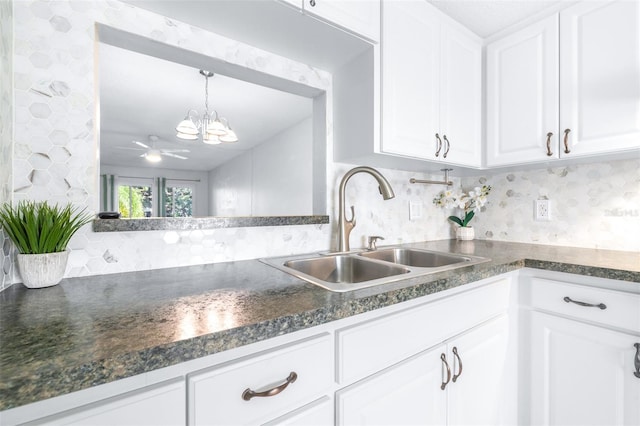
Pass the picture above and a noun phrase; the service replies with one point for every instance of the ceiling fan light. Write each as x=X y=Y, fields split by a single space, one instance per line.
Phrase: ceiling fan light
x=229 y=137
x=153 y=155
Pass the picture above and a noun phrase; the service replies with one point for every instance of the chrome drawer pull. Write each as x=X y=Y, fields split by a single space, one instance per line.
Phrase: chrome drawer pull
x=636 y=361
x=248 y=393
x=588 y=305
x=455 y=376
x=443 y=357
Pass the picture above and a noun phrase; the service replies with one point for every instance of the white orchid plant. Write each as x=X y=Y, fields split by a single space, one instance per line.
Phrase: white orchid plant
x=469 y=203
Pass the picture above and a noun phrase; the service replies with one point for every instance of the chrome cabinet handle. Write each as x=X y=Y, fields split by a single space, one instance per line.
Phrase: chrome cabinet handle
x=248 y=393
x=566 y=141
x=455 y=376
x=439 y=144
x=549 y=153
x=588 y=305
x=443 y=357
x=636 y=361
x=446 y=151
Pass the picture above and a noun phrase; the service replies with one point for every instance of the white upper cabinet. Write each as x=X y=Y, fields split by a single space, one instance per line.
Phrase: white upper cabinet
x=431 y=86
x=361 y=17
x=522 y=95
x=567 y=86
x=600 y=76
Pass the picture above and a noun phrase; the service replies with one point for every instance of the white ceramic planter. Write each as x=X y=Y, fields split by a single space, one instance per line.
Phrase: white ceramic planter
x=42 y=270
x=465 y=233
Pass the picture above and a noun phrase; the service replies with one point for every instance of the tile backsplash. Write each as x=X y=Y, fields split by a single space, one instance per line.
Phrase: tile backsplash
x=592 y=205
x=6 y=131
x=54 y=151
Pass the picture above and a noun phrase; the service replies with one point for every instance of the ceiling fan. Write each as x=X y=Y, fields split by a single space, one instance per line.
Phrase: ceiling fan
x=154 y=154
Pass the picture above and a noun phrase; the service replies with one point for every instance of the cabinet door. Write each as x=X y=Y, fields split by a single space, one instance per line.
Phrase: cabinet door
x=480 y=393
x=408 y=393
x=359 y=16
x=461 y=98
x=582 y=374
x=522 y=95
x=600 y=76
x=410 y=78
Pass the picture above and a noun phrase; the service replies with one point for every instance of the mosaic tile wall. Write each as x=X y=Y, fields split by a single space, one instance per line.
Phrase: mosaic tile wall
x=55 y=151
x=592 y=205
x=6 y=131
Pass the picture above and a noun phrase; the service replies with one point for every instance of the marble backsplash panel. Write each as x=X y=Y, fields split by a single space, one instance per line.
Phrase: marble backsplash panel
x=593 y=205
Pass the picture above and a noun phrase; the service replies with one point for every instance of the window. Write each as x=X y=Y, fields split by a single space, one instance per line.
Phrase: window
x=135 y=201
x=178 y=201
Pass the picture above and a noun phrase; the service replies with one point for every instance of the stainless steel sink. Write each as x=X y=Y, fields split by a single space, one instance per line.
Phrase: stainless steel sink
x=339 y=272
x=415 y=257
x=345 y=272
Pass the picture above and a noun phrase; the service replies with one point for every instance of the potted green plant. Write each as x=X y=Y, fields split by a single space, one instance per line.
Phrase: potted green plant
x=41 y=233
x=469 y=203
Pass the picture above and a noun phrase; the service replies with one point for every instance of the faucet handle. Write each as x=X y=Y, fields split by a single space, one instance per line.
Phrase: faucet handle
x=372 y=242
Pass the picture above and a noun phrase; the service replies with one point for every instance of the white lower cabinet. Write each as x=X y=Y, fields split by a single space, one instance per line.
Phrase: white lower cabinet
x=459 y=382
x=582 y=374
x=579 y=358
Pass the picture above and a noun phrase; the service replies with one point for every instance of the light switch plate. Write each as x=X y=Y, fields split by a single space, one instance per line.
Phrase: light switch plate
x=415 y=210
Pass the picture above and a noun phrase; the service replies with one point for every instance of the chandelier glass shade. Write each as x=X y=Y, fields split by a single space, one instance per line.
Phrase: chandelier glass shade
x=209 y=126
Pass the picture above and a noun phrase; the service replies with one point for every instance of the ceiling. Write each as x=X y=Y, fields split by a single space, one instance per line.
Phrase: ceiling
x=486 y=18
x=142 y=95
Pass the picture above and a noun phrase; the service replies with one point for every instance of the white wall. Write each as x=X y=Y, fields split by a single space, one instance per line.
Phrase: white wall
x=272 y=179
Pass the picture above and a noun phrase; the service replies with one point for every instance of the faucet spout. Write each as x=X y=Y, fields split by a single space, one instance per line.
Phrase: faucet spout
x=345 y=226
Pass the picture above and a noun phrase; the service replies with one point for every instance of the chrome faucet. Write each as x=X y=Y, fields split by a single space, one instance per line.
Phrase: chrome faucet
x=345 y=226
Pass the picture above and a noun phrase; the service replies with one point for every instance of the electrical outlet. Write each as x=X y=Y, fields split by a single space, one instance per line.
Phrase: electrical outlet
x=542 y=210
x=415 y=210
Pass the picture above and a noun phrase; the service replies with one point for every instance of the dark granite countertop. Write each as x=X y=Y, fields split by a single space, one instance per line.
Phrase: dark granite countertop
x=93 y=330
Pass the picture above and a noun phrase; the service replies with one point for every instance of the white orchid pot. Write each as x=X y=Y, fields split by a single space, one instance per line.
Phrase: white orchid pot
x=42 y=270
x=465 y=233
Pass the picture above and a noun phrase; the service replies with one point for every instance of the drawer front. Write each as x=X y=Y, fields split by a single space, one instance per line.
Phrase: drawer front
x=622 y=309
x=156 y=405
x=376 y=344
x=216 y=395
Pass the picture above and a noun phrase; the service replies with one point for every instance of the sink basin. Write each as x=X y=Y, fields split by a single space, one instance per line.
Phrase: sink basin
x=340 y=272
x=346 y=272
x=414 y=257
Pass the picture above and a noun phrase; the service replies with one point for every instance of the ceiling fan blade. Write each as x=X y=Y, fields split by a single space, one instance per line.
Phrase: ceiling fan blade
x=128 y=148
x=175 y=150
x=141 y=144
x=168 y=154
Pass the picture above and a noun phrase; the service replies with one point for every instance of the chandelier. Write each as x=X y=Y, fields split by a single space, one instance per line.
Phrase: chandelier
x=213 y=129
